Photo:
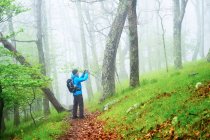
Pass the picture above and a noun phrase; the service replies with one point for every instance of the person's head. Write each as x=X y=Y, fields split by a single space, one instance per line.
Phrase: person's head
x=75 y=72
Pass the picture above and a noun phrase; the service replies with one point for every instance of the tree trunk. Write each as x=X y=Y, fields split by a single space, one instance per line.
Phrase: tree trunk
x=25 y=114
x=16 y=114
x=208 y=56
x=6 y=115
x=2 y=128
x=202 y=30
x=11 y=30
x=108 y=68
x=46 y=106
x=178 y=18
x=38 y=104
x=84 y=49
x=41 y=50
x=55 y=80
x=49 y=94
x=177 y=36
x=122 y=57
x=198 y=44
x=163 y=36
x=93 y=48
x=157 y=49
x=134 y=56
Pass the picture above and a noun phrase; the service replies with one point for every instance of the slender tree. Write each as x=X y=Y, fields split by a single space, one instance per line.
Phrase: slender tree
x=202 y=30
x=133 y=35
x=208 y=56
x=41 y=49
x=199 y=48
x=93 y=47
x=84 y=48
x=179 y=12
x=16 y=114
x=163 y=34
x=122 y=58
x=108 y=68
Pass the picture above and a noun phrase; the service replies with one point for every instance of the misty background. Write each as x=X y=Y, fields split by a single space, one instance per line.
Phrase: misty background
x=64 y=20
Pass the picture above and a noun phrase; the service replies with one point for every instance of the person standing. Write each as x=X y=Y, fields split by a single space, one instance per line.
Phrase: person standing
x=78 y=98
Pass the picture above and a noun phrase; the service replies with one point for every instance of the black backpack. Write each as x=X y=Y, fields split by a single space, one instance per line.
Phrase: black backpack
x=70 y=86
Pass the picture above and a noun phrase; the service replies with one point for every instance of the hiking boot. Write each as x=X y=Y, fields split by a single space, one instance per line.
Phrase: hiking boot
x=75 y=117
x=82 y=117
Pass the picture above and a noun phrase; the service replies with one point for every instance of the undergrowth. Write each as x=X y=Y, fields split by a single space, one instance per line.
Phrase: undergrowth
x=171 y=107
x=47 y=128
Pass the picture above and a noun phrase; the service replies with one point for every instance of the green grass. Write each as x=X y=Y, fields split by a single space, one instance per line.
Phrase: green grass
x=46 y=129
x=181 y=103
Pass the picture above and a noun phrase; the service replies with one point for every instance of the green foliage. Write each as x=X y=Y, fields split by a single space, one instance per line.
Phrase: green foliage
x=47 y=129
x=18 y=81
x=8 y=9
x=168 y=96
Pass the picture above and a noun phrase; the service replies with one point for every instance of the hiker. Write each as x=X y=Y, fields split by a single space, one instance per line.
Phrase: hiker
x=78 y=99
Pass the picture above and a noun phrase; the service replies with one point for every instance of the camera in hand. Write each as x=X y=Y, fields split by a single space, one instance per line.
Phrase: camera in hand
x=85 y=71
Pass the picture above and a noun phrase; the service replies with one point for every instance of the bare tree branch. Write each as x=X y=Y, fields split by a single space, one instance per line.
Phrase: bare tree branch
x=26 y=41
x=183 y=8
x=86 y=1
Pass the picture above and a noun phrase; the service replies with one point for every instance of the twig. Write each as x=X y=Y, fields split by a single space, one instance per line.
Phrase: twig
x=26 y=41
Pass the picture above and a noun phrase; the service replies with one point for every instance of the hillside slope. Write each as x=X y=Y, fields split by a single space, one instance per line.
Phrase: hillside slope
x=165 y=106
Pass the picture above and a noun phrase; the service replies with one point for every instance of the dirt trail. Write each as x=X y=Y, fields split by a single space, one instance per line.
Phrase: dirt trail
x=88 y=129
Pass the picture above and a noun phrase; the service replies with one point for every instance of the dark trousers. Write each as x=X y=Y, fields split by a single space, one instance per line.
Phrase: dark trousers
x=78 y=101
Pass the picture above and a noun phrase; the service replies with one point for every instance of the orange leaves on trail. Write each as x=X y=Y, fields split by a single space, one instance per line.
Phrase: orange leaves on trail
x=158 y=129
x=89 y=129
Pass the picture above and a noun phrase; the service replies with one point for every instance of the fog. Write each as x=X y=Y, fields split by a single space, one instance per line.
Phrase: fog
x=62 y=33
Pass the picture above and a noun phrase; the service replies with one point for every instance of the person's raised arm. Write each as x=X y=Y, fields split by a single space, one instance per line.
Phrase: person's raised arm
x=83 y=77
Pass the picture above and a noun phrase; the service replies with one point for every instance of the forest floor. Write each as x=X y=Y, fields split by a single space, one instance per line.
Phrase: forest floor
x=165 y=106
x=89 y=128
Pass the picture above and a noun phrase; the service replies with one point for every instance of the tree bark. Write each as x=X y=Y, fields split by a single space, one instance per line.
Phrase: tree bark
x=49 y=94
x=178 y=18
x=108 y=68
x=41 y=50
x=134 y=56
x=84 y=49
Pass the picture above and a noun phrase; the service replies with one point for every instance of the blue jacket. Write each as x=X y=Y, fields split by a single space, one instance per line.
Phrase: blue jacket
x=77 y=82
